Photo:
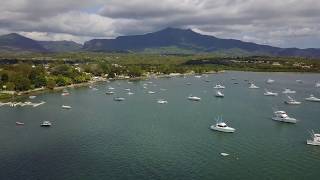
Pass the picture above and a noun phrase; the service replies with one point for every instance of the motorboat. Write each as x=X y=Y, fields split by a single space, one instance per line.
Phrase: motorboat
x=130 y=93
x=219 y=94
x=65 y=93
x=66 y=107
x=317 y=84
x=315 y=141
x=292 y=101
x=127 y=89
x=110 y=88
x=32 y=97
x=194 y=98
x=253 y=86
x=283 y=117
x=162 y=101
x=19 y=123
x=46 y=124
x=270 y=93
x=288 y=91
x=270 y=81
x=151 y=92
x=219 y=86
x=222 y=127
x=109 y=92
x=313 y=99
x=198 y=76
x=118 y=99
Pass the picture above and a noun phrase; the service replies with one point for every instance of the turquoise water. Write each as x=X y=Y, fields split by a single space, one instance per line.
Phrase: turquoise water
x=140 y=139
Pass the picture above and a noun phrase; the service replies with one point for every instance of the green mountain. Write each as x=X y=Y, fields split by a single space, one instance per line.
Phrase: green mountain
x=16 y=43
x=61 y=46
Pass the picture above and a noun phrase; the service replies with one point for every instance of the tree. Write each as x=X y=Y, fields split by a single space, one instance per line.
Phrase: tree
x=51 y=83
x=21 y=83
x=4 y=77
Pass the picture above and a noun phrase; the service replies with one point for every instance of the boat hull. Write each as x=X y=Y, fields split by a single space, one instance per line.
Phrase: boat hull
x=286 y=120
x=310 y=142
x=227 y=130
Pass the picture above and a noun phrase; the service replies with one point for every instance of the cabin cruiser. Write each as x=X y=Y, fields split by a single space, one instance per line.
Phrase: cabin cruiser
x=313 y=99
x=19 y=123
x=194 y=98
x=288 y=91
x=46 y=124
x=130 y=93
x=315 y=141
x=162 y=101
x=269 y=93
x=219 y=94
x=292 y=101
x=65 y=93
x=66 y=107
x=109 y=92
x=252 y=86
x=118 y=99
x=283 y=117
x=270 y=81
x=219 y=86
x=222 y=127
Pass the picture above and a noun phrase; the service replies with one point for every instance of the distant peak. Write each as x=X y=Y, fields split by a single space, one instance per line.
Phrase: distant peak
x=173 y=29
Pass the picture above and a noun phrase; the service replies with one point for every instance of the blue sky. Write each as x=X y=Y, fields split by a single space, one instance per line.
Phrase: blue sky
x=285 y=23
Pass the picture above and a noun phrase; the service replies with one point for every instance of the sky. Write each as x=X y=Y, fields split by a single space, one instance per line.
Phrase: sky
x=282 y=23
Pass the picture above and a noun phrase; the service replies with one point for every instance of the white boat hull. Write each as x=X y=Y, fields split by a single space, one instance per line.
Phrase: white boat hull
x=314 y=143
x=227 y=130
x=286 y=120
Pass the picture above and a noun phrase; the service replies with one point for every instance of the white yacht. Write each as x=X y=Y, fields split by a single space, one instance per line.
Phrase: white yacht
x=270 y=93
x=109 y=92
x=288 y=91
x=315 y=141
x=194 y=98
x=219 y=94
x=292 y=101
x=313 y=99
x=151 y=92
x=46 y=124
x=66 y=107
x=283 y=117
x=65 y=93
x=219 y=86
x=252 y=86
x=162 y=101
x=270 y=81
x=222 y=126
x=118 y=99
x=130 y=93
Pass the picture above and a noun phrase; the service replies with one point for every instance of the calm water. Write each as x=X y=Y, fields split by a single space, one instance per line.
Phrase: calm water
x=140 y=139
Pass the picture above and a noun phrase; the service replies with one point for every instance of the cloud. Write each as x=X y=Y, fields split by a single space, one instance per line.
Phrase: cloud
x=279 y=23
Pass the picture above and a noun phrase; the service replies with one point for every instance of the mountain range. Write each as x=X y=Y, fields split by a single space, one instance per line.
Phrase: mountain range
x=169 y=41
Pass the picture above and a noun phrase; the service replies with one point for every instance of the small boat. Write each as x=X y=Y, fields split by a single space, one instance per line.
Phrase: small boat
x=269 y=93
x=252 y=86
x=194 y=98
x=288 y=91
x=219 y=94
x=66 y=107
x=224 y=154
x=127 y=89
x=270 y=81
x=151 y=92
x=283 y=117
x=198 y=76
x=32 y=97
x=19 y=123
x=109 y=92
x=313 y=99
x=119 y=99
x=219 y=86
x=222 y=127
x=65 y=93
x=162 y=101
x=317 y=84
x=110 y=88
x=315 y=141
x=46 y=124
x=130 y=93
x=292 y=101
